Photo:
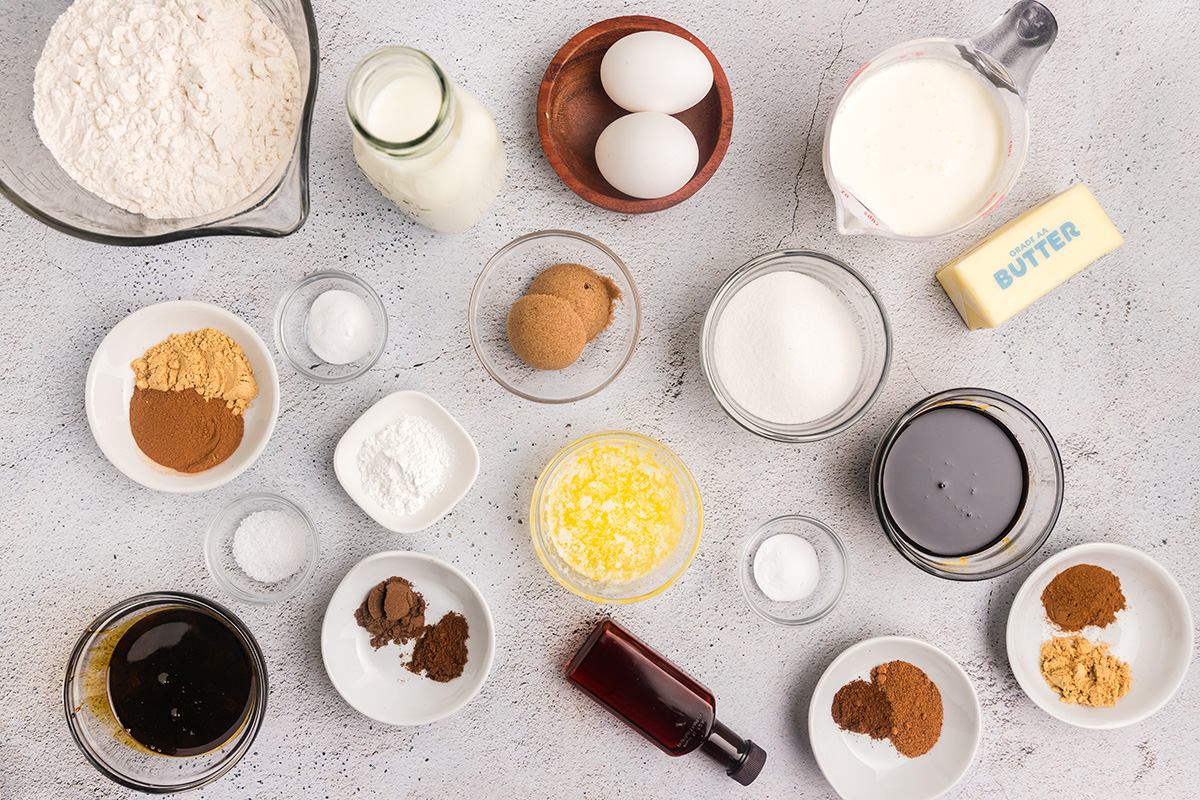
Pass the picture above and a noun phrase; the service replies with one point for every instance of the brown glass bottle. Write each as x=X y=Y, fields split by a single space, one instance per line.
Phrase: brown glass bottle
x=659 y=700
x=181 y=682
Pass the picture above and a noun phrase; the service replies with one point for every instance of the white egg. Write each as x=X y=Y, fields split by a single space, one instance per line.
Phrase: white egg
x=647 y=154
x=655 y=71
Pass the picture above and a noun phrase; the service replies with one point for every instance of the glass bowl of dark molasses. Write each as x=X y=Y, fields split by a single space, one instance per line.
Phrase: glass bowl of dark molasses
x=967 y=484
x=165 y=692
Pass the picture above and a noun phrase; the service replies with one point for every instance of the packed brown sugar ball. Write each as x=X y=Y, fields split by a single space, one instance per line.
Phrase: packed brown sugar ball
x=591 y=295
x=545 y=332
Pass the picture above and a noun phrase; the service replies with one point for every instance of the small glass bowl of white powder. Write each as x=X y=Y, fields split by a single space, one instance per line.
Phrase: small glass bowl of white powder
x=262 y=548
x=795 y=346
x=331 y=327
x=793 y=570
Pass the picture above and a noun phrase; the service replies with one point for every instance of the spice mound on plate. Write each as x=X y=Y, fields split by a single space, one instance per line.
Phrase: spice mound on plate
x=1084 y=672
x=190 y=392
x=394 y=611
x=205 y=360
x=1082 y=596
x=567 y=306
x=900 y=703
x=615 y=512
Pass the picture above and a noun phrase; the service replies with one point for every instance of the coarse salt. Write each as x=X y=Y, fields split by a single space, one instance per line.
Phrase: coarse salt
x=270 y=546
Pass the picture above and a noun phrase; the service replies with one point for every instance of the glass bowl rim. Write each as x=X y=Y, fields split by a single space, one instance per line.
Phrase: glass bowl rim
x=875 y=476
x=218 y=575
x=764 y=428
x=289 y=297
x=301 y=149
x=685 y=479
x=476 y=292
x=169 y=599
x=744 y=559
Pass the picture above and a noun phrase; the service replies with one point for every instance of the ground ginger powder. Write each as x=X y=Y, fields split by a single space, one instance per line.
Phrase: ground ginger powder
x=1084 y=672
x=205 y=360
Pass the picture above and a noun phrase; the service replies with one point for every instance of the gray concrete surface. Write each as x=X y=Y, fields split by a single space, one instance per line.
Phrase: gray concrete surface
x=1109 y=362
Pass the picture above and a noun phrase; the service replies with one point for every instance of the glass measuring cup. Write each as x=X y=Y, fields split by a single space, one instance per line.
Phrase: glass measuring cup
x=1005 y=55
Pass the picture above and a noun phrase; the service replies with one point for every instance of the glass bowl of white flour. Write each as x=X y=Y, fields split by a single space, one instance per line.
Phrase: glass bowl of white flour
x=196 y=125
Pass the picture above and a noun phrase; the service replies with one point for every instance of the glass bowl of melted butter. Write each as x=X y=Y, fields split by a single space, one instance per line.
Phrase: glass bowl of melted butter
x=616 y=517
x=165 y=692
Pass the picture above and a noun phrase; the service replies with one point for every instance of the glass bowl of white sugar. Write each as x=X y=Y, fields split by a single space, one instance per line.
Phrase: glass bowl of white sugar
x=795 y=346
x=331 y=327
x=262 y=548
x=793 y=570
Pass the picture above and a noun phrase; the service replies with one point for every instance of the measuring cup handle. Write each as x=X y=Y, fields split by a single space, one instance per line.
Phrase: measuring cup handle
x=1018 y=40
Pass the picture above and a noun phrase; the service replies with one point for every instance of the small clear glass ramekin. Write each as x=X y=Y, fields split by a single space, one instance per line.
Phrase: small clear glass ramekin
x=654 y=582
x=865 y=307
x=1043 y=492
x=506 y=278
x=100 y=736
x=291 y=326
x=223 y=567
x=832 y=561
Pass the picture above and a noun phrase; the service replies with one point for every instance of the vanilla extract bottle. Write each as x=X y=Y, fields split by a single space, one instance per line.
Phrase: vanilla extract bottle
x=659 y=700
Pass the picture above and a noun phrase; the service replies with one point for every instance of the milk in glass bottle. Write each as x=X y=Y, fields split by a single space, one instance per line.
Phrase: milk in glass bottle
x=428 y=145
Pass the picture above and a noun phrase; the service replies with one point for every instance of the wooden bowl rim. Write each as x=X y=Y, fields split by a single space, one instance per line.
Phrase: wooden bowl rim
x=624 y=203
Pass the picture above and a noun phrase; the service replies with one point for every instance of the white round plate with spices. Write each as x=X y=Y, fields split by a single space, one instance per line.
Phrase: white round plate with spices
x=376 y=682
x=109 y=389
x=861 y=768
x=464 y=462
x=1153 y=634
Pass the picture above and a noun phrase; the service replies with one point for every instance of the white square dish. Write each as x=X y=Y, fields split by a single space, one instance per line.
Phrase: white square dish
x=391 y=408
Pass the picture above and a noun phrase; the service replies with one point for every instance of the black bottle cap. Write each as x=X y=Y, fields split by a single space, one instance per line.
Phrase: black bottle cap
x=751 y=766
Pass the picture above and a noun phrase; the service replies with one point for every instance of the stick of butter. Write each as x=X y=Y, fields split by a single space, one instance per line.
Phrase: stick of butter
x=1029 y=257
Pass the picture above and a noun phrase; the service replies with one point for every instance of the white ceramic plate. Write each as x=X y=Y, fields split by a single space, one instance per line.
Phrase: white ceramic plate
x=861 y=768
x=1153 y=635
x=373 y=681
x=379 y=416
x=110 y=387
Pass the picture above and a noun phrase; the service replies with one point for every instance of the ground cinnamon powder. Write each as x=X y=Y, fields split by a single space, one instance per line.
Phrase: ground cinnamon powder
x=899 y=703
x=182 y=430
x=441 y=652
x=1083 y=595
x=859 y=707
x=916 y=706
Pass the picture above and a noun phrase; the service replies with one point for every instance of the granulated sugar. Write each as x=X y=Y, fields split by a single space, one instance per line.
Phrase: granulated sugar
x=787 y=349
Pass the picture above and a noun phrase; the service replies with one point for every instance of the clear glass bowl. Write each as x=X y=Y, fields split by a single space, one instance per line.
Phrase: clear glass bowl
x=102 y=739
x=654 y=582
x=831 y=556
x=36 y=184
x=218 y=550
x=505 y=279
x=291 y=327
x=1043 y=494
x=865 y=307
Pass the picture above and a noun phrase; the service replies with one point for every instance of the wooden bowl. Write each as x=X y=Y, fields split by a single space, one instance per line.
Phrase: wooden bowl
x=573 y=109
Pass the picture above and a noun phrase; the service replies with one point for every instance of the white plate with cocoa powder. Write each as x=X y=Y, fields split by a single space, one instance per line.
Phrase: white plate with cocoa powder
x=376 y=682
x=109 y=389
x=1153 y=634
x=861 y=768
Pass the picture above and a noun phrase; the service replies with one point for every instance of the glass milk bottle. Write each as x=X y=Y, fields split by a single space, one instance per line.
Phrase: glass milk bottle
x=425 y=143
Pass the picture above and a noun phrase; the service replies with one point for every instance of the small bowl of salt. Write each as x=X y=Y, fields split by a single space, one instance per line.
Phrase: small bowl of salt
x=262 y=548
x=793 y=570
x=331 y=327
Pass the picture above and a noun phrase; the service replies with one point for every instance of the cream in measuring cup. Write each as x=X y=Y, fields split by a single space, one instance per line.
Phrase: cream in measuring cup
x=927 y=137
